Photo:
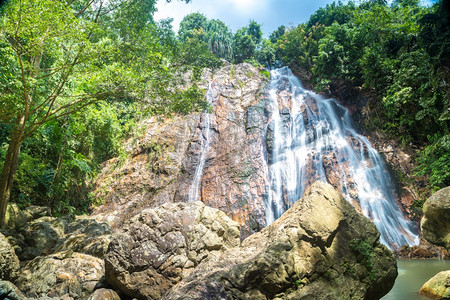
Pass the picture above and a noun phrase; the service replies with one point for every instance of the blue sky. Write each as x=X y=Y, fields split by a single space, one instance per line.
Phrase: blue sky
x=238 y=13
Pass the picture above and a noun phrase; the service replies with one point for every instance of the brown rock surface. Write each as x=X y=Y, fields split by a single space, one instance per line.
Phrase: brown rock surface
x=158 y=247
x=64 y=274
x=147 y=176
x=233 y=177
x=161 y=162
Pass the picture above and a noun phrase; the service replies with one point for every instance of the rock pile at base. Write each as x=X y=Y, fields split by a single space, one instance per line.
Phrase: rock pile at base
x=60 y=258
x=435 y=227
x=321 y=248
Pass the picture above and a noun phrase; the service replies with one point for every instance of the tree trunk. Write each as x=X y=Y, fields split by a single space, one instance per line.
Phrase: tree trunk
x=10 y=167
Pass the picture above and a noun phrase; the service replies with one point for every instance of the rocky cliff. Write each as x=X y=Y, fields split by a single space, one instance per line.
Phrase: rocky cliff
x=161 y=163
x=232 y=143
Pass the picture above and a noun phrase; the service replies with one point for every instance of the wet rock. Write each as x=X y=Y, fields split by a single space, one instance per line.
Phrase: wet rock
x=9 y=262
x=435 y=224
x=401 y=166
x=104 y=294
x=437 y=287
x=9 y=291
x=64 y=274
x=321 y=248
x=159 y=247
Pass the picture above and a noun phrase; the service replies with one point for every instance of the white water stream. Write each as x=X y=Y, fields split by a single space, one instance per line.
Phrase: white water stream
x=311 y=138
x=205 y=141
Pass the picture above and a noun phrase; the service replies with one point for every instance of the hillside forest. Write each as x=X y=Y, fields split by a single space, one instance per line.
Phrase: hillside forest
x=77 y=77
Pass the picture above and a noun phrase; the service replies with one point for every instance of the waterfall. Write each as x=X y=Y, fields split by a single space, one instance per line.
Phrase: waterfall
x=310 y=138
x=205 y=141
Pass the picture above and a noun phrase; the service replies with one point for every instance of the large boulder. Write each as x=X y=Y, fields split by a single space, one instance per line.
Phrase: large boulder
x=159 y=247
x=9 y=262
x=436 y=222
x=41 y=236
x=64 y=274
x=14 y=216
x=85 y=235
x=321 y=248
x=437 y=287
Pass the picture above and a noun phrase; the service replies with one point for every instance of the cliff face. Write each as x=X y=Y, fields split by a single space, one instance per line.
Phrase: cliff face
x=233 y=178
x=161 y=164
x=222 y=157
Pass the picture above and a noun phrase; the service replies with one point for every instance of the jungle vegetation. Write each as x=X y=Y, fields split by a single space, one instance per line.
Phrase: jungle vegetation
x=76 y=77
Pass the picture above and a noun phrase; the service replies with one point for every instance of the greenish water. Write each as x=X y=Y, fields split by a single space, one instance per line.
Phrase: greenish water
x=412 y=274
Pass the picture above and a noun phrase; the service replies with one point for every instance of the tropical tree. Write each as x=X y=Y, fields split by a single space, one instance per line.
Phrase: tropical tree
x=245 y=42
x=214 y=33
x=266 y=54
x=191 y=24
x=57 y=57
x=219 y=39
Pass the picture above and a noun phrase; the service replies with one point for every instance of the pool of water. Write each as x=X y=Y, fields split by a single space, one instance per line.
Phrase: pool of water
x=412 y=274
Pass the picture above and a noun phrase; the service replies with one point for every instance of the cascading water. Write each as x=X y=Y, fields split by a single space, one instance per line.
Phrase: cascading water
x=310 y=138
x=205 y=141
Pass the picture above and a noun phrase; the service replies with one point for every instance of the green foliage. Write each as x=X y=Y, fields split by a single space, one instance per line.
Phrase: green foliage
x=365 y=254
x=214 y=33
x=56 y=59
x=277 y=34
x=246 y=43
x=58 y=161
x=191 y=24
x=266 y=54
x=244 y=46
x=265 y=73
x=254 y=30
x=434 y=161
